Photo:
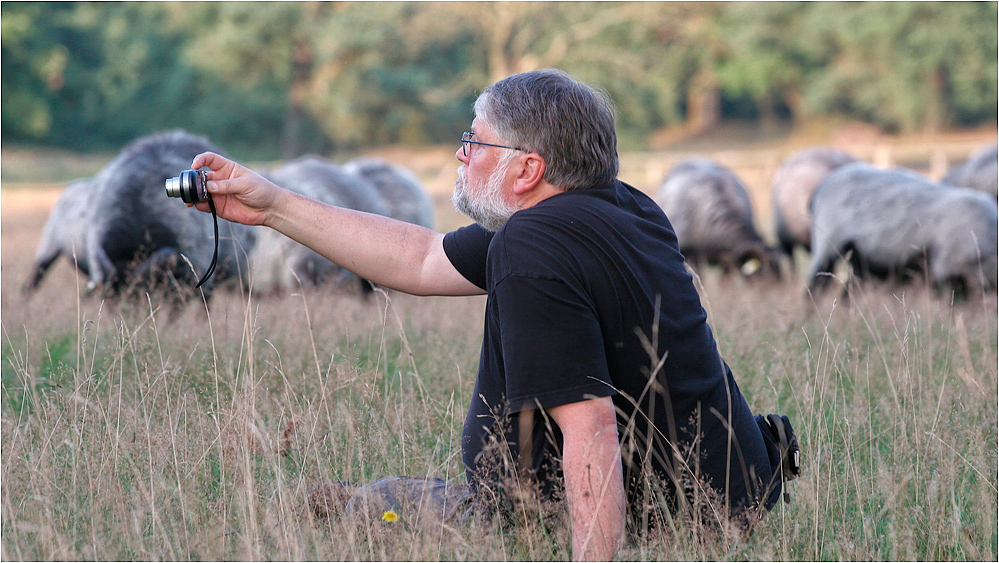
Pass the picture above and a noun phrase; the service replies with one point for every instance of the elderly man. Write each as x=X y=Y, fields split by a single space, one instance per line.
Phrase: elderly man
x=599 y=377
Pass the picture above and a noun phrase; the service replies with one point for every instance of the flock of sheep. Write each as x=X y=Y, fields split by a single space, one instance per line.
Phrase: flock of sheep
x=888 y=224
x=123 y=233
x=121 y=230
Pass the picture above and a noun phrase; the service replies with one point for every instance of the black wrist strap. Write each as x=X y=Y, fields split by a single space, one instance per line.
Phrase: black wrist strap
x=215 y=256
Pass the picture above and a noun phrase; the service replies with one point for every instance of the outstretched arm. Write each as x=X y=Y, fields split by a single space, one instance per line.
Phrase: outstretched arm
x=594 y=481
x=391 y=253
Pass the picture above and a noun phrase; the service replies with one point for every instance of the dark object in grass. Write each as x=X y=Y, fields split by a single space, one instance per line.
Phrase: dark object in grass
x=329 y=500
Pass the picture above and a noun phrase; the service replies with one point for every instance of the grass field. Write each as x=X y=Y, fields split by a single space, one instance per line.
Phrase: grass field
x=128 y=435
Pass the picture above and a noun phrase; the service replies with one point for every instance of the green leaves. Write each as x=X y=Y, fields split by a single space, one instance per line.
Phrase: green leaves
x=279 y=78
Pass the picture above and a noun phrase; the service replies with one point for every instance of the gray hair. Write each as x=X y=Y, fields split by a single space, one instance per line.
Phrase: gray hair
x=568 y=123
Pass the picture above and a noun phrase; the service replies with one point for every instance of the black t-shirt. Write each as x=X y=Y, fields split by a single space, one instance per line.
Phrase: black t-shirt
x=588 y=297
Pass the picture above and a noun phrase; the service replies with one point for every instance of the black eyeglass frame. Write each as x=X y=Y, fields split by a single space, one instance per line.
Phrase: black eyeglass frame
x=466 y=140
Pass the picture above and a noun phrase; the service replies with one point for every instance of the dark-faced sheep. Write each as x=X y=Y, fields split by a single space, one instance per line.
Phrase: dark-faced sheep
x=897 y=225
x=138 y=237
x=400 y=190
x=281 y=264
x=712 y=216
x=65 y=231
x=793 y=185
x=980 y=172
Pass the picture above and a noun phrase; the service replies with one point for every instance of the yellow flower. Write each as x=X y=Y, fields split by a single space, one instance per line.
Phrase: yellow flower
x=390 y=516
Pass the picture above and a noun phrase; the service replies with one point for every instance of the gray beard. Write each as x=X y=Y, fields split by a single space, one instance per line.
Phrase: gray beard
x=488 y=209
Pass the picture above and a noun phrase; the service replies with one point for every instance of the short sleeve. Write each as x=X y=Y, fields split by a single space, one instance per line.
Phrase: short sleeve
x=467 y=249
x=553 y=349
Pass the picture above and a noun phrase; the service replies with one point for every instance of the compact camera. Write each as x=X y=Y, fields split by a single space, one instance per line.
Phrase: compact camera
x=191 y=186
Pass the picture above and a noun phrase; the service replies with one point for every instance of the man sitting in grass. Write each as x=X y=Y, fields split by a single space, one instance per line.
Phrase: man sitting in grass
x=599 y=380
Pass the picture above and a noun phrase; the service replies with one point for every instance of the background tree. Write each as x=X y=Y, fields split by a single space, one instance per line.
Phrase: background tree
x=256 y=56
x=282 y=79
x=769 y=57
x=907 y=65
x=33 y=65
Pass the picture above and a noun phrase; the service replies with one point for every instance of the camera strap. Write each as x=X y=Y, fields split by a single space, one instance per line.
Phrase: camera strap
x=215 y=256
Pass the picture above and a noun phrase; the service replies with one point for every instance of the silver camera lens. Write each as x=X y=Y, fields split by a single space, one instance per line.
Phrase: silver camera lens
x=191 y=186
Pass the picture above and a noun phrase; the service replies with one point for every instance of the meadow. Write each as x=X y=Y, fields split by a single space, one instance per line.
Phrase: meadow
x=129 y=433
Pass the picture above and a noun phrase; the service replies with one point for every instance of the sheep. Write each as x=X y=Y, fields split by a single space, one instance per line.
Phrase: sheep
x=65 y=231
x=897 y=225
x=793 y=185
x=138 y=237
x=278 y=263
x=712 y=216
x=979 y=172
x=402 y=192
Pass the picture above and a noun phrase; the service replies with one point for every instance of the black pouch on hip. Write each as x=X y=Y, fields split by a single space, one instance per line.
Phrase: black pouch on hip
x=782 y=446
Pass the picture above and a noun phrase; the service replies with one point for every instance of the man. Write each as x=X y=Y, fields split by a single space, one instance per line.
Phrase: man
x=597 y=365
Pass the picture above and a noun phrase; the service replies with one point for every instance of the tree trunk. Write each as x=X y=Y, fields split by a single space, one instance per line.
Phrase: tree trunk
x=767 y=114
x=703 y=103
x=301 y=71
x=796 y=104
x=500 y=65
x=936 y=112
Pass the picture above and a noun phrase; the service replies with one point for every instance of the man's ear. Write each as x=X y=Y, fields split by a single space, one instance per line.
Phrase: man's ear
x=530 y=174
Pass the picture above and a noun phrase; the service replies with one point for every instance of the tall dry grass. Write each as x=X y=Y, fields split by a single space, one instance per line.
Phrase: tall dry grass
x=128 y=435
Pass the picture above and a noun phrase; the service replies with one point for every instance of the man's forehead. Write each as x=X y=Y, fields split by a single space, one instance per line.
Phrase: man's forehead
x=480 y=126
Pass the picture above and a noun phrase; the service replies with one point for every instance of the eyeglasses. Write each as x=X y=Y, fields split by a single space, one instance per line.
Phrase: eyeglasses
x=466 y=139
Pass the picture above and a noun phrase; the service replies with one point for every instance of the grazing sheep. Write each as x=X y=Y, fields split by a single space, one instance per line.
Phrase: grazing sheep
x=712 y=216
x=979 y=172
x=793 y=186
x=140 y=238
x=404 y=196
x=65 y=231
x=279 y=263
x=897 y=225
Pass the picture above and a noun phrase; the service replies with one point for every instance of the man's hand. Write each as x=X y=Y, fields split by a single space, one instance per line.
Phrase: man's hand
x=594 y=481
x=239 y=194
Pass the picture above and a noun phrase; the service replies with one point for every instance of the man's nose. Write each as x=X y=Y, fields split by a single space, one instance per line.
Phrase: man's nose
x=460 y=154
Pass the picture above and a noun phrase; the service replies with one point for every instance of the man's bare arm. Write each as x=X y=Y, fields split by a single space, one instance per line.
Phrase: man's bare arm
x=391 y=253
x=594 y=481
x=388 y=252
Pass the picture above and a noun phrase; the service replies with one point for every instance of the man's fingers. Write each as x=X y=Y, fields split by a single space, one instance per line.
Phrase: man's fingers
x=202 y=160
x=219 y=187
x=209 y=159
x=225 y=187
x=230 y=186
x=199 y=161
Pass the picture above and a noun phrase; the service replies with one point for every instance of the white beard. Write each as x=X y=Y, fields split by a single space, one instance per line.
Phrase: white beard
x=488 y=208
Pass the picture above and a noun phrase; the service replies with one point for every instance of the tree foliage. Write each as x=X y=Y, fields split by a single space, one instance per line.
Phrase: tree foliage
x=287 y=78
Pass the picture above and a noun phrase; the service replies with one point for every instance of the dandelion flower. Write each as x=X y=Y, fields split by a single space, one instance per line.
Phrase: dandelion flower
x=390 y=516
